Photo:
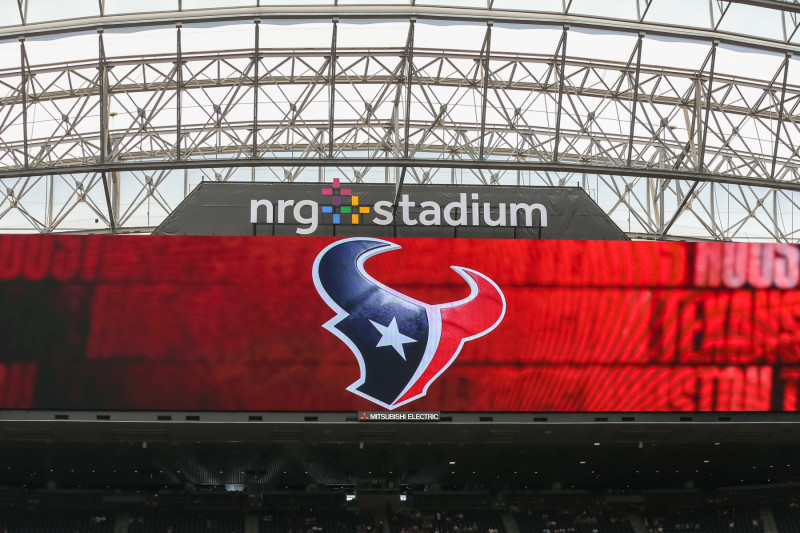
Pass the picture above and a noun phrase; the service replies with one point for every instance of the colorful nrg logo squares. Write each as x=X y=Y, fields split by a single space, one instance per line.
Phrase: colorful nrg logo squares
x=336 y=208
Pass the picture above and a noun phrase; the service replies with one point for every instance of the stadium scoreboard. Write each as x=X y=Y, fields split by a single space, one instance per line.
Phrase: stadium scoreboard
x=397 y=325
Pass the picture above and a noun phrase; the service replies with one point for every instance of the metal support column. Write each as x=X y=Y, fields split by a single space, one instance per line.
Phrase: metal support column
x=409 y=72
x=332 y=85
x=635 y=97
x=487 y=45
x=780 y=115
x=24 y=83
x=179 y=86
x=563 y=46
x=702 y=159
x=256 y=61
x=103 y=81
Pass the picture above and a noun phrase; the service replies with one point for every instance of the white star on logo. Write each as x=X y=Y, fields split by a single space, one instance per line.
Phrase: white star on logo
x=391 y=336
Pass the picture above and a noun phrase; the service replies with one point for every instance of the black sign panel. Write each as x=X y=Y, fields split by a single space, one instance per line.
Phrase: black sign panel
x=341 y=209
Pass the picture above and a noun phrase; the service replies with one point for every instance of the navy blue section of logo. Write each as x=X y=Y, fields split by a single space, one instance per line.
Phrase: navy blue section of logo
x=391 y=333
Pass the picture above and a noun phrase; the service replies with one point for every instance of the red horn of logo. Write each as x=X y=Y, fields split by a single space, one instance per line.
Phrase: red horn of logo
x=461 y=321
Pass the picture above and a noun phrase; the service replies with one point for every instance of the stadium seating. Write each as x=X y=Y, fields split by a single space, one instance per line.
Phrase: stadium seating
x=430 y=521
x=706 y=519
x=424 y=512
x=18 y=520
x=327 y=521
x=186 y=522
x=787 y=516
x=590 y=519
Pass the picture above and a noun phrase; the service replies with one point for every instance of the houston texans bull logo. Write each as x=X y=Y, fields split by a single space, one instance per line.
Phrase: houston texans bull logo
x=402 y=345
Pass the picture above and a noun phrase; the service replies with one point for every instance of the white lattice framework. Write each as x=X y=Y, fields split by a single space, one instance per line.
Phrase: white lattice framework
x=681 y=118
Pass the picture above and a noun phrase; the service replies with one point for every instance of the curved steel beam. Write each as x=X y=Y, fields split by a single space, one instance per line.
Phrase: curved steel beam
x=377 y=12
x=360 y=162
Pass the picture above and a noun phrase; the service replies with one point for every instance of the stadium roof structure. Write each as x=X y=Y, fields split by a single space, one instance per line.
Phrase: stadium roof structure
x=679 y=117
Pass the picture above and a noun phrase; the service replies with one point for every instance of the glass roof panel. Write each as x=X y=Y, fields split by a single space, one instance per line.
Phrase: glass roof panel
x=689 y=13
x=673 y=53
x=584 y=43
x=298 y=2
x=513 y=39
x=210 y=4
x=454 y=3
x=141 y=42
x=747 y=63
x=116 y=7
x=9 y=13
x=793 y=78
x=620 y=9
x=752 y=20
x=72 y=48
x=556 y=6
x=10 y=55
x=446 y=36
x=43 y=11
x=292 y=35
x=366 y=3
x=373 y=35
x=215 y=38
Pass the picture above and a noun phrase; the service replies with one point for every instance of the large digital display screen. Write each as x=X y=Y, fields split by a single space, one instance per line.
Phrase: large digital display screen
x=325 y=324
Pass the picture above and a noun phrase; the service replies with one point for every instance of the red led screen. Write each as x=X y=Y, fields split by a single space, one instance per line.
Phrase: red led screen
x=320 y=324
